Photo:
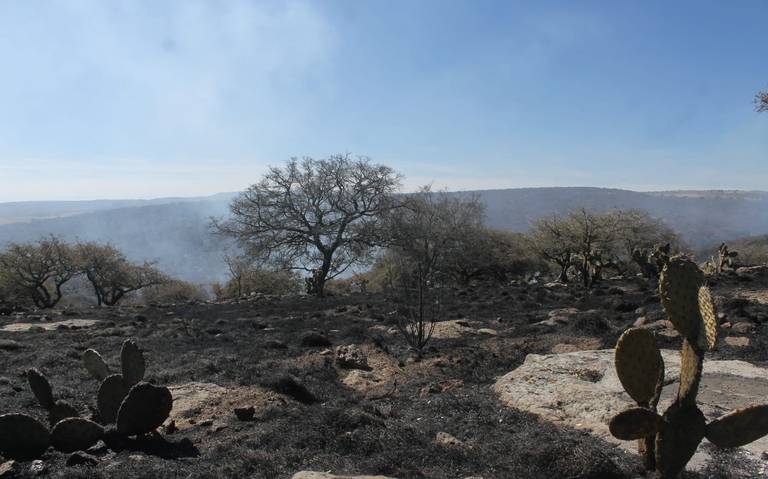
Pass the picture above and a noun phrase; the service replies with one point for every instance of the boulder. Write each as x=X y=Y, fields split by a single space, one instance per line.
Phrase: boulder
x=581 y=390
x=351 y=357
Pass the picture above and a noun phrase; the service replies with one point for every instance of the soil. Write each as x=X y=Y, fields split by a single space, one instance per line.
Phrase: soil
x=311 y=414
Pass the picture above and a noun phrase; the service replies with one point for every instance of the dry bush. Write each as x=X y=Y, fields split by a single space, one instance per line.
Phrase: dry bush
x=173 y=291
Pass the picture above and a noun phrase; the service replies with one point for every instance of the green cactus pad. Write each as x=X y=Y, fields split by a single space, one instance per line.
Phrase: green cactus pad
x=95 y=364
x=739 y=427
x=61 y=410
x=639 y=364
x=679 y=290
x=635 y=423
x=677 y=442
x=708 y=328
x=691 y=364
x=133 y=363
x=41 y=388
x=144 y=409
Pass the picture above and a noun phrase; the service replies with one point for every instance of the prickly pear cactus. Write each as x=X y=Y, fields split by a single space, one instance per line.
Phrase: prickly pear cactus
x=669 y=441
x=133 y=363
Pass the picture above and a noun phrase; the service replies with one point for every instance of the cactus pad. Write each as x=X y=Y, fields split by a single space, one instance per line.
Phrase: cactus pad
x=61 y=410
x=133 y=363
x=639 y=364
x=679 y=290
x=635 y=423
x=111 y=394
x=75 y=434
x=23 y=437
x=739 y=427
x=95 y=364
x=144 y=409
x=708 y=328
x=41 y=388
x=677 y=442
x=691 y=364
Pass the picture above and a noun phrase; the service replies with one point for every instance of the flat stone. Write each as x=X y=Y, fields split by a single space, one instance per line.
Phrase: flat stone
x=736 y=341
x=21 y=327
x=581 y=390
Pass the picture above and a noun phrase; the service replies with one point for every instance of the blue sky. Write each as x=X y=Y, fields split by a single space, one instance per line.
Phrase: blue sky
x=127 y=99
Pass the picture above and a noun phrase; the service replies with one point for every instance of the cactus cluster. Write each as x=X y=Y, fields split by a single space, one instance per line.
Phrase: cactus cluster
x=135 y=407
x=668 y=441
x=651 y=261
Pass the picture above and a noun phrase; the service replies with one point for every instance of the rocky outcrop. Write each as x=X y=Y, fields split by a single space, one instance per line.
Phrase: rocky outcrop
x=581 y=390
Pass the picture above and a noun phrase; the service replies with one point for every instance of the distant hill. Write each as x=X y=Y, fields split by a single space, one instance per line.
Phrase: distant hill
x=175 y=231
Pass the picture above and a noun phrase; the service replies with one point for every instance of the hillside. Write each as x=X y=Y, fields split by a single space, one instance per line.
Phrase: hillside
x=175 y=231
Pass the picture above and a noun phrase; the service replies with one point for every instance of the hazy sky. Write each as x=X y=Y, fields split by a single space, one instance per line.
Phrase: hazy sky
x=116 y=99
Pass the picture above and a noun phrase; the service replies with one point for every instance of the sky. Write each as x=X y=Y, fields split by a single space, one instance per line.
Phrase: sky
x=143 y=99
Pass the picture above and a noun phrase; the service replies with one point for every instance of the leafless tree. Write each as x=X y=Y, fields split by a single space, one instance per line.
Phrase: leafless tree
x=432 y=229
x=319 y=216
x=552 y=239
x=39 y=270
x=111 y=275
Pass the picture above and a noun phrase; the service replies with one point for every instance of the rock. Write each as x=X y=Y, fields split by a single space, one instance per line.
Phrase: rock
x=110 y=396
x=245 y=413
x=742 y=327
x=75 y=434
x=488 y=331
x=445 y=439
x=144 y=409
x=641 y=321
x=291 y=386
x=133 y=363
x=22 y=437
x=95 y=364
x=351 y=357
x=736 y=341
x=61 y=410
x=315 y=340
x=41 y=388
x=326 y=475
x=38 y=467
x=9 y=470
x=80 y=458
x=560 y=348
x=582 y=390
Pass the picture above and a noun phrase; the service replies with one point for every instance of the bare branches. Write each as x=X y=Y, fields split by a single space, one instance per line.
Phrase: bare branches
x=761 y=101
x=313 y=214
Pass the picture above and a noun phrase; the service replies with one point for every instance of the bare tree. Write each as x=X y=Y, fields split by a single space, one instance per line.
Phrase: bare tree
x=551 y=238
x=39 y=270
x=319 y=216
x=432 y=229
x=111 y=275
x=419 y=308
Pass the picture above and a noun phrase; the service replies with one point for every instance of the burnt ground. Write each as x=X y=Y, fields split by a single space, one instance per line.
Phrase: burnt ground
x=384 y=421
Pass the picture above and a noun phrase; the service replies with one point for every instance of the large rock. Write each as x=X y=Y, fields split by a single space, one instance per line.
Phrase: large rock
x=22 y=437
x=325 y=475
x=581 y=390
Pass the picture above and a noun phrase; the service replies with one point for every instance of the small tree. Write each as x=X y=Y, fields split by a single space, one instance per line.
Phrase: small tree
x=39 y=270
x=319 y=216
x=552 y=240
x=111 y=275
x=418 y=308
x=433 y=230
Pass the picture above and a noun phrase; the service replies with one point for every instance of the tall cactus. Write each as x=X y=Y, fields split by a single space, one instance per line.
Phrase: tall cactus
x=668 y=441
